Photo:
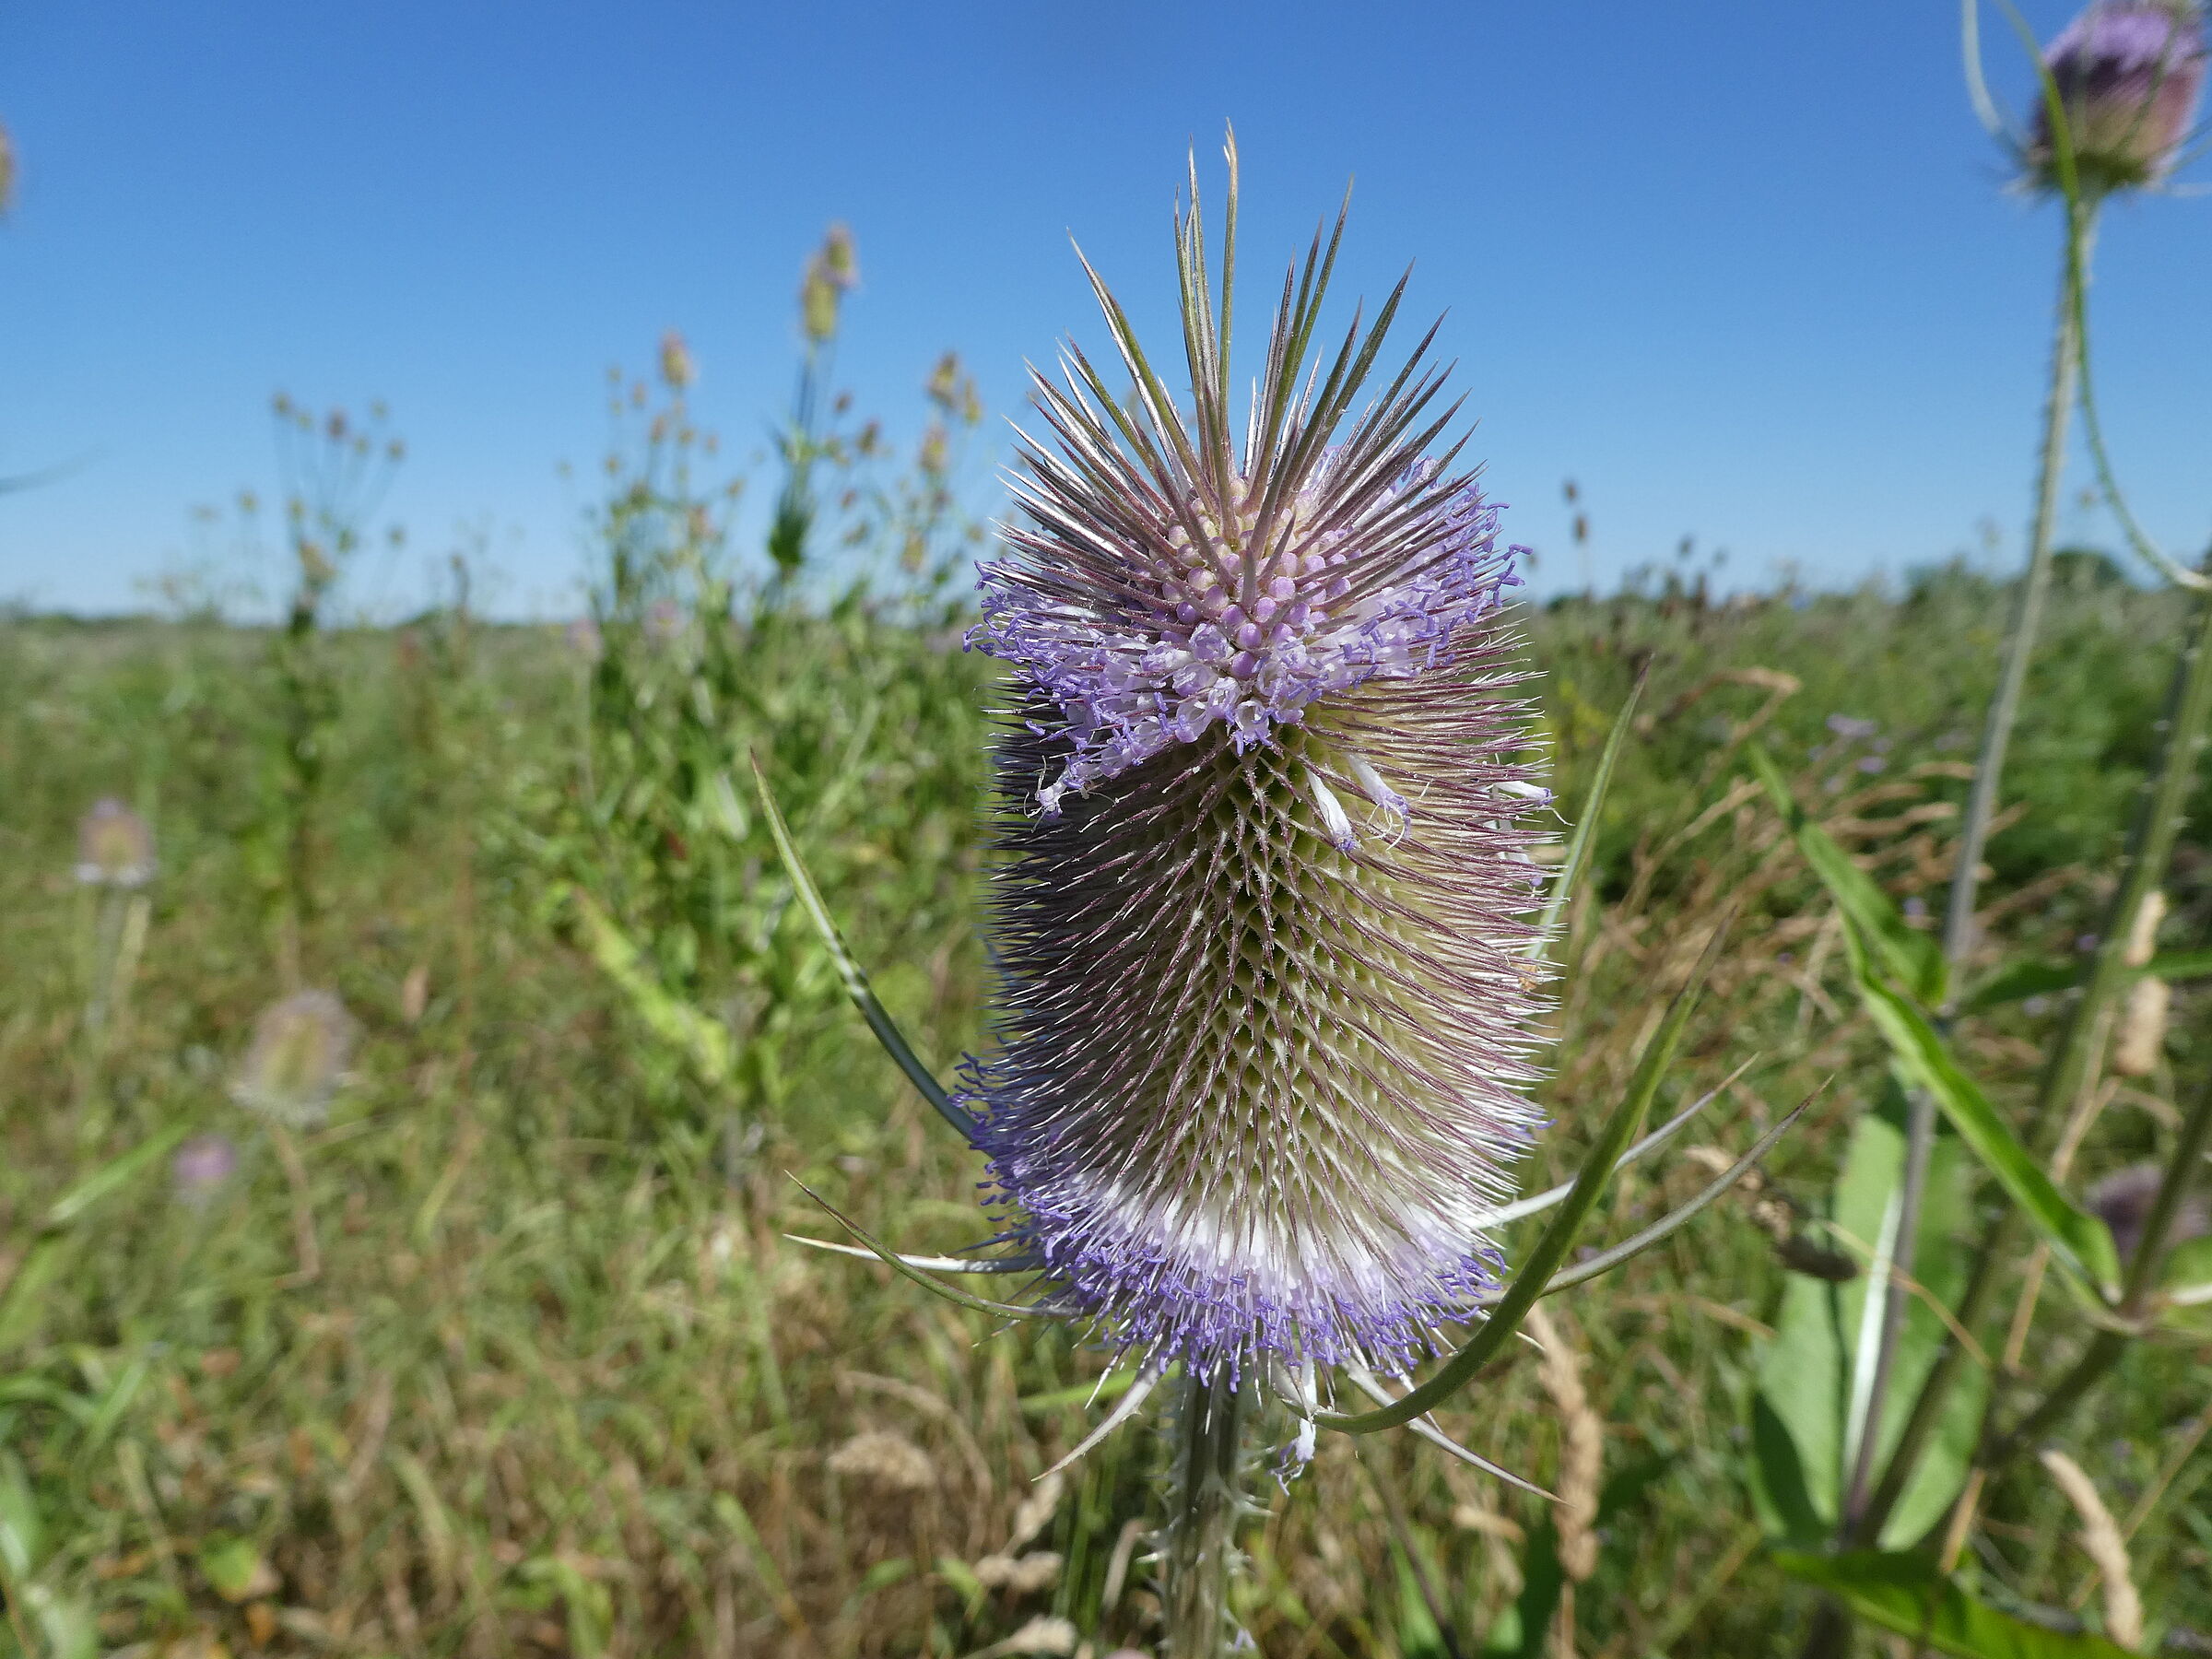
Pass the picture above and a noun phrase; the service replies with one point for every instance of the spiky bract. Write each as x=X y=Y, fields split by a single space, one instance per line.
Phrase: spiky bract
x=1264 y=1022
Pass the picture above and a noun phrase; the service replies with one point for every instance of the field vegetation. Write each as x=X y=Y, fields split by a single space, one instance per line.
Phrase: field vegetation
x=513 y=1350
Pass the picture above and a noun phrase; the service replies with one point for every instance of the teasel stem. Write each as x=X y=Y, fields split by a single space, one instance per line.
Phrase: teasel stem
x=2188 y=714
x=1981 y=799
x=1205 y=1499
x=2028 y=603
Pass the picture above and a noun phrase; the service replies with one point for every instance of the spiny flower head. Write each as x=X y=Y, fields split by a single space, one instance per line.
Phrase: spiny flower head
x=2129 y=74
x=298 y=1053
x=114 y=848
x=1260 y=917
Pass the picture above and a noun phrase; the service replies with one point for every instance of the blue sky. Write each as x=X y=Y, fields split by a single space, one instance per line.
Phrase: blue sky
x=1744 y=270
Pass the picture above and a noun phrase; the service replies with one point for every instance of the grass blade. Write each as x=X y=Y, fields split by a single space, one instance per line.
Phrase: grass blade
x=1579 y=847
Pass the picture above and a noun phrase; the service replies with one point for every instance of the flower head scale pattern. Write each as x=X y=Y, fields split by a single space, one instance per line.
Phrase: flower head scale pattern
x=1263 y=1026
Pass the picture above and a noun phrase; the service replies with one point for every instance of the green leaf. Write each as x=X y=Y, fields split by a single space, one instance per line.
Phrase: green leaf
x=1906 y=1593
x=110 y=1176
x=703 y=1041
x=22 y=1534
x=1813 y=1371
x=2078 y=1241
x=1914 y=959
x=233 y=1567
x=2023 y=980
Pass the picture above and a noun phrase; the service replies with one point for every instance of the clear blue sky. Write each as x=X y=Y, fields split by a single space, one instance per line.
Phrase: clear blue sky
x=1744 y=269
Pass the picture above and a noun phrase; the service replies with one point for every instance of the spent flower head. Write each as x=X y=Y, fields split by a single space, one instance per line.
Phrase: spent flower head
x=297 y=1059
x=678 y=368
x=114 y=847
x=2129 y=74
x=830 y=276
x=1262 y=811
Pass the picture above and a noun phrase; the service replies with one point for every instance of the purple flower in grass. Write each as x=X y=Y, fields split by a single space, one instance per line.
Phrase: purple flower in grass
x=201 y=1166
x=2129 y=74
x=1262 y=904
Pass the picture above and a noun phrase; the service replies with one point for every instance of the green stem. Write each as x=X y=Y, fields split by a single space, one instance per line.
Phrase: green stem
x=2028 y=603
x=1980 y=806
x=1198 y=1546
x=2159 y=820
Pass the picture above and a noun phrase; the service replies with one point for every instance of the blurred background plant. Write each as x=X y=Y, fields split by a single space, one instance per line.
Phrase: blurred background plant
x=830 y=662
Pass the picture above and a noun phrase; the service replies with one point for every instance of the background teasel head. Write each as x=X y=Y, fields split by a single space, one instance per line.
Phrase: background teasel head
x=298 y=1057
x=1260 y=919
x=2128 y=75
x=114 y=848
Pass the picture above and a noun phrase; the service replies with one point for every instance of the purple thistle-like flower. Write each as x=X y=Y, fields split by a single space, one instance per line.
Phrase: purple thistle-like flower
x=1261 y=919
x=2129 y=74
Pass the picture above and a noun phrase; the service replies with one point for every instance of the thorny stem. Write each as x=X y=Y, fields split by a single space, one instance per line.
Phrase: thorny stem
x=2158 y=824
x=2028 y=605
x=1980 y=806
x=1198 y=1545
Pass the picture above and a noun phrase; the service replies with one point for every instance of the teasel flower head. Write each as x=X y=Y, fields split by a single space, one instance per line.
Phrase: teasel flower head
x=1260 y=913
x=297 y=1059
x=2129 y=74
x=114 y=848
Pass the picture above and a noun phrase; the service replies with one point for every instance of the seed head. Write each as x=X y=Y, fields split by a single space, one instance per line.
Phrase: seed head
x=886 y=1461
x=299 y=1051
x=114 y=848
x=830 y=275
x=1263 y=884
x=678 y=368
x=2129 y=74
